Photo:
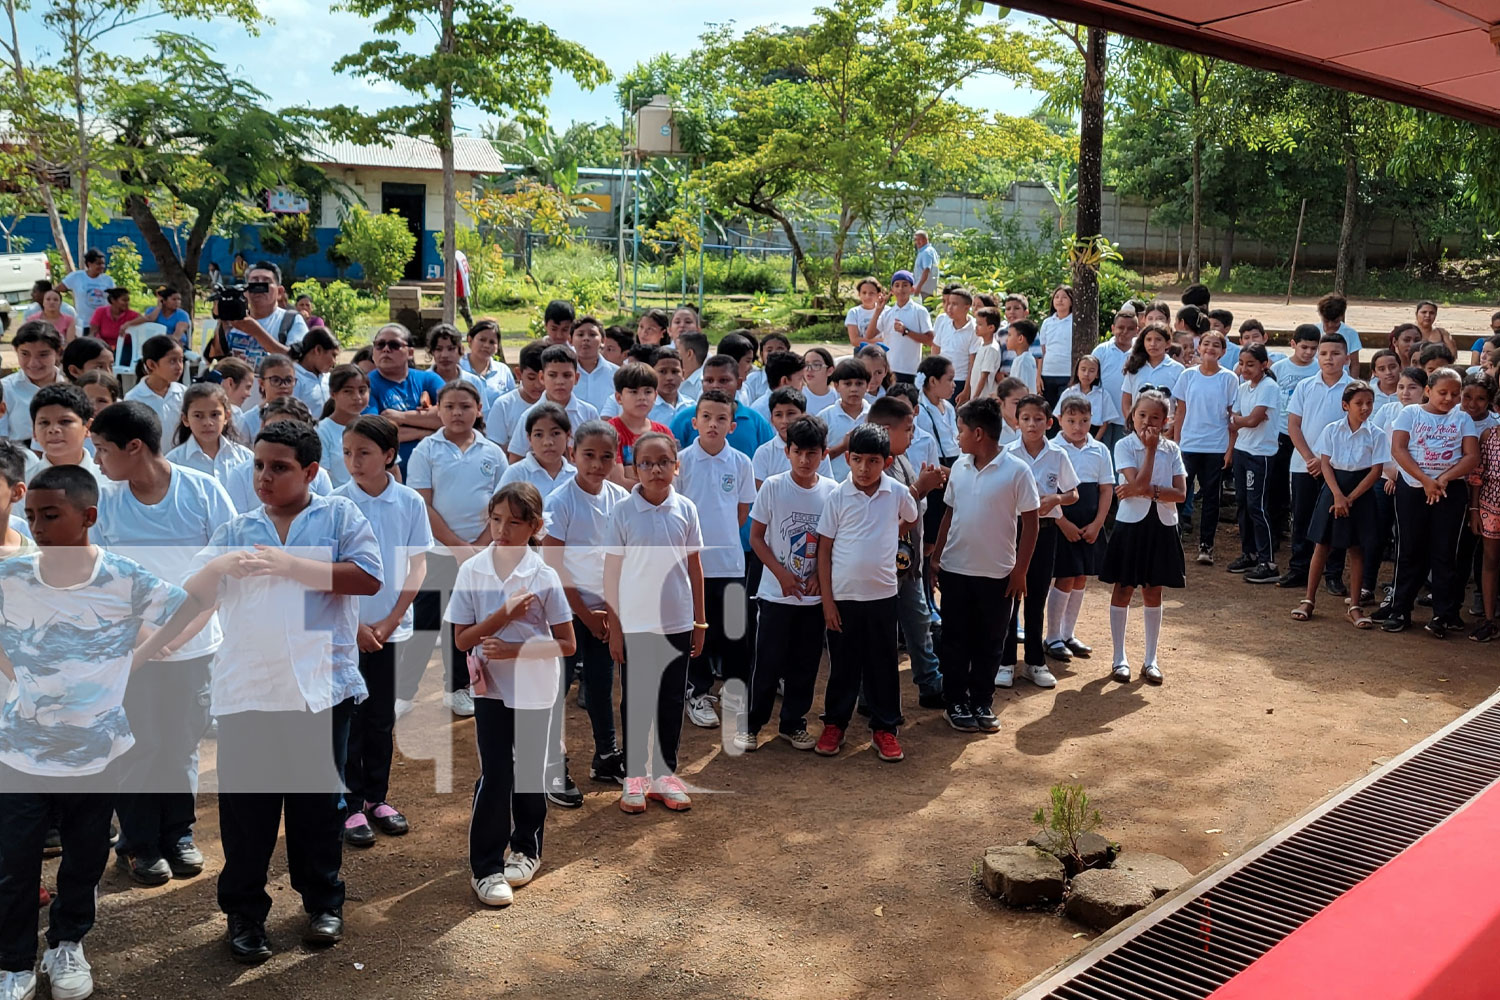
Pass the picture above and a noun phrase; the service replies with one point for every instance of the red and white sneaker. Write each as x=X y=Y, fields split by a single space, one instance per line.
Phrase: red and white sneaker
x=670 y=792
x=633 y=798
x=831 y=742
x=887 y=747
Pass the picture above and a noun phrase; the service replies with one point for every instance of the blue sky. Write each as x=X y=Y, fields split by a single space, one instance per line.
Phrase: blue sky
x=290 y=60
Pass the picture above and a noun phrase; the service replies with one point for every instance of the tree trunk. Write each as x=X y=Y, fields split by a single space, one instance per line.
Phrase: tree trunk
x=177 y=272
x=450 y=202
x=1226 y=258
x=1351 y=202
x=1090 y=193
x=83 y=163
x=799 y=256
x=840 y=241
x=1195 y=256
x=43 y=177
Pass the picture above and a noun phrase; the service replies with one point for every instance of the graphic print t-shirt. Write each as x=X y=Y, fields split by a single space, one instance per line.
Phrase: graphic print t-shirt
x=790 y=514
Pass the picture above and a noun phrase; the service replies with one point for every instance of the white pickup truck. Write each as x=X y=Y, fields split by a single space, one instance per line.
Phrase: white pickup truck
x=18 y=272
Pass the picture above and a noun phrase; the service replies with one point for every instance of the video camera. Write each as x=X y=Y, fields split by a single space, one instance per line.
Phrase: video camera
x=231 y=301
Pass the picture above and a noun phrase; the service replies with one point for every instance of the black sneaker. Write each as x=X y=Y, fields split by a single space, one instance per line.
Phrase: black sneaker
x=1292 y=580
x=144 y=870
x=1437 y=628
x=1395 y=623
x=985 y=720
x=1241 y=565
x=1205 y=555
x=608 y=767
x=1485 y=631
x=1058 y=650
x=961 y=717
x=1381 y=613
x=1336 y=588
x=184 y=858
x=562 y=792
x=1264 y=573
x=1424 y=600
x=932 y=699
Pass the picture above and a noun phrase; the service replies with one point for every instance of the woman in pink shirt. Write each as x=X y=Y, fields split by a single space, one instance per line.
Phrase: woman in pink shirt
x=109 y=321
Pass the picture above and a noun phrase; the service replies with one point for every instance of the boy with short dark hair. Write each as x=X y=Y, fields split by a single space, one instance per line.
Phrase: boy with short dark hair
x=787 y=406
x=858 y=534
x=559 y=379
x=618 y=341
x=15 y=533
x=60 y=417
x=740 y=345
x=595 y=371
x=850 y=379
x=635 y=396
x=1222 y=320
x=782 y=369
x=667 y=363
x=693 y=346
x=1021 y=335
x=557 y=321
x=507 y=412
x=987 y=359
x=1332 y=308
x=751 y=430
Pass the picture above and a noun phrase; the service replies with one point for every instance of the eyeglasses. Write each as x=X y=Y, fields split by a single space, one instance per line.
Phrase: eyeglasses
x=282 y=381
x=816 y=366
x=1164 y=390
x=655 y=466
x=389 y=345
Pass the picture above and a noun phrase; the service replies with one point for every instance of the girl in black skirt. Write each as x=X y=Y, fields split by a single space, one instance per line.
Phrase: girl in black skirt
x=1144 y=550
x=1345 y=517
x=1079 y=551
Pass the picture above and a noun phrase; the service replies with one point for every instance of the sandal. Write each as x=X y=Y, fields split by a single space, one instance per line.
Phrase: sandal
x=1358 y=618
x=1303 y=611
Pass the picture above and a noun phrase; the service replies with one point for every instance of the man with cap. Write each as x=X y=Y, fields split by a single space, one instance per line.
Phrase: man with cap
x=902 y=327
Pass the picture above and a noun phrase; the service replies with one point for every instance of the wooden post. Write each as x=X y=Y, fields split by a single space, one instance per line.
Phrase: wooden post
x=1295 y=244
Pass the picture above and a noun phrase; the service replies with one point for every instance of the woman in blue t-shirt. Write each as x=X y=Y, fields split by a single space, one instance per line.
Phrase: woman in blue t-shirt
x=169 y=313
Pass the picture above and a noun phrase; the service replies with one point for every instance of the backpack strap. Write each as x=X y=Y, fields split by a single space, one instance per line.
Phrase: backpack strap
x=287 y=319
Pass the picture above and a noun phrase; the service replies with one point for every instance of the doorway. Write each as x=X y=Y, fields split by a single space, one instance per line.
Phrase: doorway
x=410 y=202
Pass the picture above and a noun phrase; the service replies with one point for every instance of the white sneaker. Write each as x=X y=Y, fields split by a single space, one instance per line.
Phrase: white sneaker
x=402 y=707
x=520 y=869
x=67 y=971
x=1039 y=675
x=460 y=703
x=17 y=985
x=746 y=742
x=1005 y=676
x=700 y=712
x=493 y=890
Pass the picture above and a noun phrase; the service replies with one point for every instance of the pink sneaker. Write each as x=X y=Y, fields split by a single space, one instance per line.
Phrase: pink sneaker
x=670 y=792
x=633 y=798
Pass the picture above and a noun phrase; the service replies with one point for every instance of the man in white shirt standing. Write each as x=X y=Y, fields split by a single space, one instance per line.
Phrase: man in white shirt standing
x=89 y=285
x=903 y=327
x=926 y=265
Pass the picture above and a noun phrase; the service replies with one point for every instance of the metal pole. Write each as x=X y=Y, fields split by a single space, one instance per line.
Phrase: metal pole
x=701 y=216
x=620 y=215
x=1297 y=242
x=635 y=232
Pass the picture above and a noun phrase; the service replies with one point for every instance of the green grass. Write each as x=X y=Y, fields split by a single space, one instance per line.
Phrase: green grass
x=1459 y=285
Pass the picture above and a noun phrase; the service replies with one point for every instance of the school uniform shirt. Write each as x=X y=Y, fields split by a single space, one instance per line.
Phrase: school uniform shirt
x=1260 y=439
x=1102 y=408
x=1381 y=421
x=497 y=379
x=87 y=465
x=1349 y=450
x=1436 y=440
x=527 y=681
x=1351 y=337
x=462 y=480
x=770 y=460
x=986 y=362
x=1231 y=356
x=309 y=662
x=1024 y=368
x=1130 y=453
x=580 y=519
x=501 y=417
x=578 y=411
x=1092 y=462
x=1050 y=468
x=22 y=528
x=903 y=353
x=167 y=407
x=1164 y=375
x=249 y=424
x=598 y=386
x=239 y=482
x=231 y=455
x=839 y=425
x=791 y=514
x=1489 y=420
x=859 y=318
x=717 y=485
x=331 y=436
x=957 y=344
x=865 y=530
x=1288 y=376
x=398 y=517
x=985 y=504
x=529 y=470
x=818 y=402
x=71 y=650
x=692 y=385
x=237 y=417
x=1209 y=400
x=923 y=450
x=629 y=437
x=755 y=386
x=654 y=540
x=751 y=430
x=1381 y=398
x=1318 y=404
x=941 y=423
x=19 y=391
x=1112 y=374
x=1056 y=338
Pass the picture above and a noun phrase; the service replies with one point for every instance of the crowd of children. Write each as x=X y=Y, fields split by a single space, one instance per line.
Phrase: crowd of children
x=628 y=504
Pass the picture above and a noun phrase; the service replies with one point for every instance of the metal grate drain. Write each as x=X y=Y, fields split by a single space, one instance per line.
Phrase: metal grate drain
x=1205 y=936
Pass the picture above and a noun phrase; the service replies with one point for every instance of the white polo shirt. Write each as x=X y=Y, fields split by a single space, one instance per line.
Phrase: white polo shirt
x=167 y=407
x=865 y=530
x=462 y=480
x=1092 y=461
x=1261 y=439
x=717 y=485
x=654 y=541
x=311 y=388
x=526 y=682
x=1164 y=374
x=1056 y=338
x=15 y=422
x=1288 y=376
x=957 y=344
x=1103 y=409
x=1131 y=454
x=985 y=504
x=529 y=470
x=331 y=436
x=941 y=422
x=165 y=537
x=598 y=386
x=231 y=456
x=1024 y=368
x=1436 y=441
x=790 y=514
x=497 y=379
x=817 y=403
x=578 y=411
x=398 y=516
x=501 y=418
x=770 y=459
x=1209 y=400
x=1349 y=450
x=903 y=353
x=580 y=519
x=1050 y=468
x=1112 y=373
x=239 y=481
x=1318 y=404
x=839 y=425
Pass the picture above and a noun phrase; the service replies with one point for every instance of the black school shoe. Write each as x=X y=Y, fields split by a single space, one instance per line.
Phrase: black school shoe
x=608 y=767
x=144 y=870
x=324 y=929
x=562 y=792
x=985 y=720
x=932 y=699
x=1058 y=650
x=1078 y=649
x=248 y=943
x=1394 y=622
x=1292 y=581
x=961 y=717
x=1336 y=588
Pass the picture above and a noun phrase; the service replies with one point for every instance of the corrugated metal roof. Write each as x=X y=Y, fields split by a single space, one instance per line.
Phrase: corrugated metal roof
x=470 y=154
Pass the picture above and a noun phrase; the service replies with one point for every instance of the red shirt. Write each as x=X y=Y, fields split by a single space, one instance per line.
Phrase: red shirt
x=107 y=328
x=628 y=438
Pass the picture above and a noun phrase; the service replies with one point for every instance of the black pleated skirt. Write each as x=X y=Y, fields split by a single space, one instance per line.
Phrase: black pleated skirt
x=1080 y=558
x=1144 y=553
x=1361 y=527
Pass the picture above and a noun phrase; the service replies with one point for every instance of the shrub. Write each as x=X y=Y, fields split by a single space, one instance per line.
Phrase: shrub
x=557 y=265
x=734 y=275
x=291 y=236
x=124 y=266
x=336 y=302
x=381 y=245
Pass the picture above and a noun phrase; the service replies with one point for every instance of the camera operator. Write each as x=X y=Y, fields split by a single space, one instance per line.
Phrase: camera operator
x=268 y=328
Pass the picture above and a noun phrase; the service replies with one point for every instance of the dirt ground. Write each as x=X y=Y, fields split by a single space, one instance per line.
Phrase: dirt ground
x=801 y=876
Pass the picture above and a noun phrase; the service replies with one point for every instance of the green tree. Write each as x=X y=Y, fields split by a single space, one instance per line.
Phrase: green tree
x=291 y=236
x=382 y=245
x=480 y=53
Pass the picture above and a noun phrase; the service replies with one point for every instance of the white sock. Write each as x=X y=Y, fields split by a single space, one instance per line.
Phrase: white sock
x=1070 y=614
x=1056 y=602
x=1153 y=633
x=1117 y=618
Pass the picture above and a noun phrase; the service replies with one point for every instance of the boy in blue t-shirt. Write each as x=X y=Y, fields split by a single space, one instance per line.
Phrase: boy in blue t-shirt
x=70 y=616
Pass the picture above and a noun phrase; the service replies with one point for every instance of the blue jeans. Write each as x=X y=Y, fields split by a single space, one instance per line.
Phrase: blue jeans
x=916 y=625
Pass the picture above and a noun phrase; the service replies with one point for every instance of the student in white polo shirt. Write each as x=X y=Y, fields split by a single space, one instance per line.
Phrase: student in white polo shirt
x=1316 y=403
x=505 y=412
x=159 y=515
x=559 y=378
x=596 y=374
x=983 y=550
x=546 y=465
x=857 y=547
x=903 y=326
x=720 y=482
